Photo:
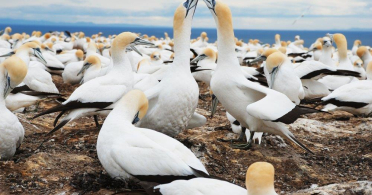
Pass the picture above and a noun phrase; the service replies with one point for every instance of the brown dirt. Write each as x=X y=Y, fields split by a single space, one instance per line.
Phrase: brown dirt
x=67 y=163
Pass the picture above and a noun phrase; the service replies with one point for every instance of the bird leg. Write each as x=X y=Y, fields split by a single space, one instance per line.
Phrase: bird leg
x=214 y=105
x=245 y=146
x=241 y=138
x=96 y=120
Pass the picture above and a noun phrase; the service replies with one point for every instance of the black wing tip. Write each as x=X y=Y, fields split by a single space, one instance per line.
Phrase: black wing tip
x=59 y=126
x=301 y=145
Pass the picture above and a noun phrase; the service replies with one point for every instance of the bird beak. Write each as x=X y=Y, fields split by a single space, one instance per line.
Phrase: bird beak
x=189 y=5
x=8 y=54
x=14 y=43
x=330 y=36
x=273 y=75
x=85 y=67
x=139 y=41
x=37 y=53
x=211 y=4
x=136 y=119
x=7 y=88
x=199 y=58
x=48 y=49
x=214 y=105
x=258 y=59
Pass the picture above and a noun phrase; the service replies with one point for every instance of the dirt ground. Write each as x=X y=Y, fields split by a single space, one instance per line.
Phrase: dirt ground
x=67 y=162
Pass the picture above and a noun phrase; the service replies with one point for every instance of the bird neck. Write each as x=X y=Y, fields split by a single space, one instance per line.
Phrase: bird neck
x=121 y=62
x=2 y=86
x=23 y=54
x=227 y=57
x=261 y=191
x=124 y=112
x=326 y=57
x=182 y=33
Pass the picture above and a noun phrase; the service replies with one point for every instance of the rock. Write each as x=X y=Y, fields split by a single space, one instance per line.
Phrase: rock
x=361 y=187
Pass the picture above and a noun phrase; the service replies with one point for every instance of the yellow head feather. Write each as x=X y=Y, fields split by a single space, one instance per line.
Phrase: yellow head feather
x=341 y=43
x=8 y=29
x=16 y=68
x=274 y=60
x=155 y=53
x=268 y=52
x=94 y=60
x=283 y=50
x=260 y=177
x=79 y=54
x=357 y=42
x=277 y=37
x=203 y=35
x=123 y=40
x=284 y=44
x=17 y=36
x=369 y=67
x=362 y=51
x=47 y=36
x=210 y=53
x=138 y=100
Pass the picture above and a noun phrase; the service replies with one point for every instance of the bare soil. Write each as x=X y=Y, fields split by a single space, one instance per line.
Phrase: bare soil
x=67 y=162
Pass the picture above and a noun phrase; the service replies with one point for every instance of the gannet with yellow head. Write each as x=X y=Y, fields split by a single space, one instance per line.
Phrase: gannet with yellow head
x=12 y=72
x=255 y=107
x=170 y=160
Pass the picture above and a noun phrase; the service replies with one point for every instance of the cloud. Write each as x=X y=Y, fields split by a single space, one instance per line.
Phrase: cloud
x=252 y=14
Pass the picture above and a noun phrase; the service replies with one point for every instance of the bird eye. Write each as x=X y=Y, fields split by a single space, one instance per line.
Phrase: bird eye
x=186 y=4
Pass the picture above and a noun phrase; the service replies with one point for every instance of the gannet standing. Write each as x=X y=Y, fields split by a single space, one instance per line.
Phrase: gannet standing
x=94 y=96
x=12 y=71
x=257 y=108
x=173 y=101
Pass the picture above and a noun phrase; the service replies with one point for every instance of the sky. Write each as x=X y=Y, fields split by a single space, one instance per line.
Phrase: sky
x=247 y=14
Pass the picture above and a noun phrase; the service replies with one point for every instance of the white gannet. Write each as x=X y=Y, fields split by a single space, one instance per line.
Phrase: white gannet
x=259 y=181
x=257 y=108
x=69 y=57
x=357 y=44
x=70 y=74
x=94 y=96
x=207 y=62
x=91 y=68
x=12 y=72
x=119 y=138
x=354 y=98
x=281 y=76
x=365 y=55
x=369 y=71
x=201 y=43
x=173 y=101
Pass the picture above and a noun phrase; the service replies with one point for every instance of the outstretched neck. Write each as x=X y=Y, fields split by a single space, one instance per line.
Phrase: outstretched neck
x=182 y=33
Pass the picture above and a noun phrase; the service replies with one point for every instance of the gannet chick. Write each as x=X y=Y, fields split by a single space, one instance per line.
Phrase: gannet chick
x=281 y=77
x=91 y=69
x=119 y=138
x=12 y=71
x=364 y=54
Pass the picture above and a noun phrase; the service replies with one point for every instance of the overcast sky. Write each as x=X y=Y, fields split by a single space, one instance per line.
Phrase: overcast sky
x=247 y=14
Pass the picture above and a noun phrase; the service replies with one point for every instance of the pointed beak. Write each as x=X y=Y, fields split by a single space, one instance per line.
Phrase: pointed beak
x=257 y=60
x=199 y=58
x=273 y=75
x=85 y=67
x=136 y=119
x=190 y=5
x=7 y=88
x=8 y=54
x=211 y=4
x=139 y=41
x=37 y=53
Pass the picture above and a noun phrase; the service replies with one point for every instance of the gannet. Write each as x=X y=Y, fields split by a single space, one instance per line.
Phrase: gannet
x=207 y=61
x=257 y=108
x=91 y=68
x=365 y=55
x=12 y=72
x=70 y=74
x=357 y=44
x=94 y=96
x=354 y=97
x=119 y=138
x=259 y=181
x=369 y=71
x=281 y=77
x=173 y=101
x=69 y=57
